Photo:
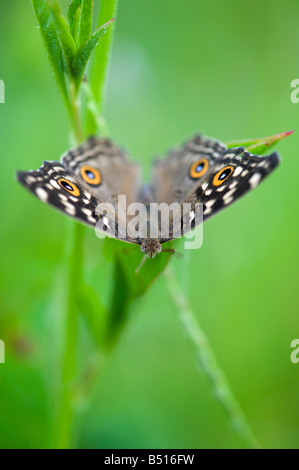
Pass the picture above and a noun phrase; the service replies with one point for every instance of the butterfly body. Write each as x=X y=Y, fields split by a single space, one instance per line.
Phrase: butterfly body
x=151 y=247
x=202 y=172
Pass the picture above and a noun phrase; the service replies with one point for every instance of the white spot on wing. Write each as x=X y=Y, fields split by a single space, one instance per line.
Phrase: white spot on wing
x=210 y=203
x=55 y=184
x=237 y=171
x=30 y=179
x=255 y=179
x=228 y=200
x=42 y=194
x=69 y=208
x=229 y=194
x=229 y=155
x=87 y=212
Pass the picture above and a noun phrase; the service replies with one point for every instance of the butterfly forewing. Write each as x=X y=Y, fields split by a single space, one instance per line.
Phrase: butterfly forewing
x=54 y=185
x=236 y=173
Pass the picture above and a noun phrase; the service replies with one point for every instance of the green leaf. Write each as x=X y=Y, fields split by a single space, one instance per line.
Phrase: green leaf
x=139 y=276
x=48 y=30
x=66 y=40
x=74 y=13
x=80 y=20
x=99 y=64
x=130 y=280
x=83 y=54
x=121 y=297
x=85 y=21
x=93 y=311
x=259 y=146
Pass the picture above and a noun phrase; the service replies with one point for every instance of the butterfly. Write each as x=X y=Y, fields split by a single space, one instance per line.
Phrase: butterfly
x=202 y=172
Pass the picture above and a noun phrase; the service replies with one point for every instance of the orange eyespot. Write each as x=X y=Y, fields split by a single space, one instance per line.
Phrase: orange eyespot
x=90 y=175
x=70 y=187
x=199 y=168
x=222 y=175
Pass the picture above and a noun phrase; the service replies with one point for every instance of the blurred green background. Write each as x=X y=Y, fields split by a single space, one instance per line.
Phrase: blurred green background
x=222 y=68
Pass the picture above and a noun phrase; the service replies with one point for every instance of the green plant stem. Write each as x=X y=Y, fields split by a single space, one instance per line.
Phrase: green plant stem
x=63 y=425
x=69 y=381
x=69 y=353
x=208 y=363
x=74 y=280
x=75 y=116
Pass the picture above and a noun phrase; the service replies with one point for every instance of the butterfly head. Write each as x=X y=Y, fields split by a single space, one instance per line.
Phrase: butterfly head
x=151 y=247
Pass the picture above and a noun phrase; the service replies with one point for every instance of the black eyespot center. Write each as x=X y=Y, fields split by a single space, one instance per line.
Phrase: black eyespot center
x=69 y=187
x=90 y=174
x=222 y=175
x=66 y=185
x=199 y=168
x=225 y=173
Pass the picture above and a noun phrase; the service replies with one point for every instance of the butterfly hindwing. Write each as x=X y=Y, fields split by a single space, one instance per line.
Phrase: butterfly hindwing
x=171 y=180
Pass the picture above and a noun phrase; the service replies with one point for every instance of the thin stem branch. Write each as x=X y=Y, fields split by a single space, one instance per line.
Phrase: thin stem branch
x=75 y=116
x=208 y=363
x=69 y=350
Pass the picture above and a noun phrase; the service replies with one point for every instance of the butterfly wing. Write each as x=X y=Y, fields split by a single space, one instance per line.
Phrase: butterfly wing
x=236 y=174
x=50 y=184
x=171 y=180
x=92 y=174
x=228 y=175
x=105 y=169
x=202 y=171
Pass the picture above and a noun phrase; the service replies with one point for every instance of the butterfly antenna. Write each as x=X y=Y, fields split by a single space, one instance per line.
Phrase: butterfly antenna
x=141 y=264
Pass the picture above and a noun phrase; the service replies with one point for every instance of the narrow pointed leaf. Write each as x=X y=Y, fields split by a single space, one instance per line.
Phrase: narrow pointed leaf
x=259 y=146
x=82 y=56
x=85 y=21
x=48 y=30
x=74 y=13
x=99 y=64
x=66 y=40
x=76 y=25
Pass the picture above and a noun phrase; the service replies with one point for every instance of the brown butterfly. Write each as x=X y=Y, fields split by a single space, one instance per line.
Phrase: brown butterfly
x=203 y=172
